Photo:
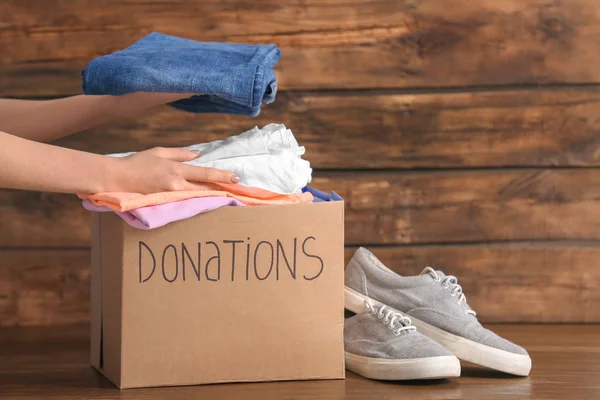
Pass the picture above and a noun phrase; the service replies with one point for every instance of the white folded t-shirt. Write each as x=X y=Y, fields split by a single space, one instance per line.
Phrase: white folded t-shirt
x=268 y=158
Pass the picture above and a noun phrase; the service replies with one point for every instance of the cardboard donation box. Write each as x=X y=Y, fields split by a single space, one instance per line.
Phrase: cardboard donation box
x=238 y=294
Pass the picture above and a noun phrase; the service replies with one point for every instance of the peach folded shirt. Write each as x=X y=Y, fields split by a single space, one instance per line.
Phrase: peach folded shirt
x=121 y=201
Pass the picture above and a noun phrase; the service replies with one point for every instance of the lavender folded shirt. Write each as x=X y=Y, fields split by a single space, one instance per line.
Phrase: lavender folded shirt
x=156 y=216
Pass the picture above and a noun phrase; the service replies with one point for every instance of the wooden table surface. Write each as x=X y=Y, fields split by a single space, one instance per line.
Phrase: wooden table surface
x=51 y=363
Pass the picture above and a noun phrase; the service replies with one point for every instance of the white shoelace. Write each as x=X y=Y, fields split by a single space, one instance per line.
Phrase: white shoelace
x=448 y=281
x=390 y=318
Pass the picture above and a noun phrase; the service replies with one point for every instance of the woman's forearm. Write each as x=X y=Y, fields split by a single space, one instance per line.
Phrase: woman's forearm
x=29 y=165
x=47 y=120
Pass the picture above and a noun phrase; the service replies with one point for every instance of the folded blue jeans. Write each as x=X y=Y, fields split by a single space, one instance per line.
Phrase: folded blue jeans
x=229 y=78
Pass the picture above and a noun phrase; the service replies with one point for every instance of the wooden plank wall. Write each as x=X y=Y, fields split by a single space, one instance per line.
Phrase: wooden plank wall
x=461 y=134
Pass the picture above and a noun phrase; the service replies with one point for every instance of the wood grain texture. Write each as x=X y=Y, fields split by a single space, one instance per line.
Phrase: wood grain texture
x=44 y=287
x=467 y=206
x=383 y=208
x=516 y=282
x=52 y=363
x=376 y=130
x=325 y=44
x=33 y=219
x=512 y=282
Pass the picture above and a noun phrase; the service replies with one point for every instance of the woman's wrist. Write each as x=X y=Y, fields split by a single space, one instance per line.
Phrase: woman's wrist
x=113 y=176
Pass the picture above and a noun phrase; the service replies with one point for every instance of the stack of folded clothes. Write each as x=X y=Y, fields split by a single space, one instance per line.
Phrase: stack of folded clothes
x=228 y=78
x=267 y=160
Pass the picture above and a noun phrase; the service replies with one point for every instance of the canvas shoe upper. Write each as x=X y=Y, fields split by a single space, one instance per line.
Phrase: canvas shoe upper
x=382 y=344
x=437 y=306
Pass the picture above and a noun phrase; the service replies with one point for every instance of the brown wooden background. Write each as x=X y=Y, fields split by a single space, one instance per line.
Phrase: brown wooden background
x=461 y=133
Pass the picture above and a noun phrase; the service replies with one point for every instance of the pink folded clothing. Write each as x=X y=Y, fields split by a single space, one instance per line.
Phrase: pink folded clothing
x=151 y=217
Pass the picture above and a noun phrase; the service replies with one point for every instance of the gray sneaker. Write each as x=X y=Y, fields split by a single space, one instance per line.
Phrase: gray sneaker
x=382 y=344
x=437 y=307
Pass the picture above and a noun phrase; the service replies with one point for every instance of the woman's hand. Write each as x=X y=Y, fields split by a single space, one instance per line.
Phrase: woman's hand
x=161 y=170
x=29 y=165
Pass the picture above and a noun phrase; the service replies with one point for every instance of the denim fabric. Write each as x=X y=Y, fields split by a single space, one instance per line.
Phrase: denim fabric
x=230 y=78
x=320 y=196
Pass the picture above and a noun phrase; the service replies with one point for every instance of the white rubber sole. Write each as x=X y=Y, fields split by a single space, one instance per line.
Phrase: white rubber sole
x=464 y=349
x=400 y=370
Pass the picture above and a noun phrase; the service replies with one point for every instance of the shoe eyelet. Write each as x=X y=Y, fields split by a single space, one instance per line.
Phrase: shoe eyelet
x=437 y=279
x=397 y=333
x=445 y=286
x=452 y=294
